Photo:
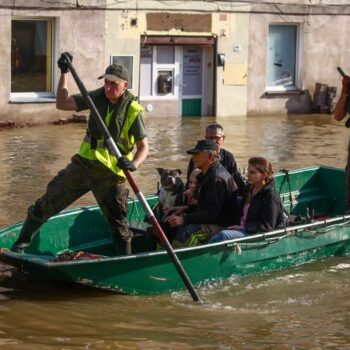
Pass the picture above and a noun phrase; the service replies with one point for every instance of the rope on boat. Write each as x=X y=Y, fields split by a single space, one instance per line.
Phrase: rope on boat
x=324 y=229
x=237 y=248
x=134 y=206
x=69 y=255
x=306 y=233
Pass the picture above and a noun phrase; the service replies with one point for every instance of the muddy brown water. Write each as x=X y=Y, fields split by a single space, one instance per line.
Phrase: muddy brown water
x=307 y=307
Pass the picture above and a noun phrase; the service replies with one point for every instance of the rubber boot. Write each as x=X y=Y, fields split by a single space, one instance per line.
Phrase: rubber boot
x=29 y=229
x=123 y=247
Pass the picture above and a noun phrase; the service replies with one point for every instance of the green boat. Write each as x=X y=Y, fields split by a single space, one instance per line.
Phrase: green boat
x=315 y=195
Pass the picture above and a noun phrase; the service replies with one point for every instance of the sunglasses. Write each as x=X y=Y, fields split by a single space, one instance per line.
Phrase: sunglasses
x=216 y=138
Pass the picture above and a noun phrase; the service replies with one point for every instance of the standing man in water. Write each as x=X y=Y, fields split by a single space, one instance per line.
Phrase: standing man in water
x=94 y=168
x=341 y=111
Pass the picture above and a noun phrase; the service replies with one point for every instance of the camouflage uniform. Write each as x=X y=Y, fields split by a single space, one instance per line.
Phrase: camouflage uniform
x=79 y=177
x=347 y=180
x=86 y=174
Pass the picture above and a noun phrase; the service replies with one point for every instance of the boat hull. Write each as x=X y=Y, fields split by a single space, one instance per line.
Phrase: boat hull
x=151 y=273
x=147 y=271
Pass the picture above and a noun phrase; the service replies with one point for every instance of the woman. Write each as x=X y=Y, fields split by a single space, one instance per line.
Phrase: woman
x=262 y=208
x=189 y=197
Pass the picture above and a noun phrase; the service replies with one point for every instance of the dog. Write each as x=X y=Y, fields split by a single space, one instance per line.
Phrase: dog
x=171 y=190
x=170 y=194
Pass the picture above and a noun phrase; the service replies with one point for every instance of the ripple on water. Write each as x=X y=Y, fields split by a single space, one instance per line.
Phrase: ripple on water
x=301 y=308
x=342 y=266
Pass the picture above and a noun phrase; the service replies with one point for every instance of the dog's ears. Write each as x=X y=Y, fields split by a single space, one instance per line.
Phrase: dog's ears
x=160 y=170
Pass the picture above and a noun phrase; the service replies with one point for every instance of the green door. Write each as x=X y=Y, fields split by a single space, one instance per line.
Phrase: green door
x=192 y=107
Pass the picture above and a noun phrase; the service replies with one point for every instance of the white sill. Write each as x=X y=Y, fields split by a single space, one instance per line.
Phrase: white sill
x=32 y=99
x=283 y=92
x=158 y=98
x=281 y=88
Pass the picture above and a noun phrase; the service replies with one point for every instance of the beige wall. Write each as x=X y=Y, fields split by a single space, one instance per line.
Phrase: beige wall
x=231 y=96
x=75 y=31
x=93 y=35
x=324 y=45
x=121 y=38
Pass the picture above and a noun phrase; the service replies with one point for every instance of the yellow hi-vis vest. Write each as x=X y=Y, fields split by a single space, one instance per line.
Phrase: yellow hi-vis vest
x=124 y=141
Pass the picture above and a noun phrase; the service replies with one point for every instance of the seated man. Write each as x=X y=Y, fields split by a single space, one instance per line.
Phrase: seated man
x=214 y=192
x=215 y=132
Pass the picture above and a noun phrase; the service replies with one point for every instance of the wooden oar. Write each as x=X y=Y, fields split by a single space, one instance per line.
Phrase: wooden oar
x=115 y=151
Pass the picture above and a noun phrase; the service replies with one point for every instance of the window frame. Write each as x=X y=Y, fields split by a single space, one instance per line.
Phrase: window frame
x=42 y=96
x=298 y=41
x=131 y=85
x=156 y=67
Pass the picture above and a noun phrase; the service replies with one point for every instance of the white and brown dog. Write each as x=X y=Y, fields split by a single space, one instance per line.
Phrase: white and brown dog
x=171 y=191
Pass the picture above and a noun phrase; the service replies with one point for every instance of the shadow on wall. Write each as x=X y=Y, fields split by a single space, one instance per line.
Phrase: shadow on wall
x=297 y=102
x=300 y=104
x=323 y=100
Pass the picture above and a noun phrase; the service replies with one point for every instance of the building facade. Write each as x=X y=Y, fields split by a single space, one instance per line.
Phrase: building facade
x=185 y=58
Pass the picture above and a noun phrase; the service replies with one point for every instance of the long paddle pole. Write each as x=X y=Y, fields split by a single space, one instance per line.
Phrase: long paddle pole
x=115 y=151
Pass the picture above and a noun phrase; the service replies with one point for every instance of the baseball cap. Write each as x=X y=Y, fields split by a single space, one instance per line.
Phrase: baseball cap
x=204 y=145
x=115 y=72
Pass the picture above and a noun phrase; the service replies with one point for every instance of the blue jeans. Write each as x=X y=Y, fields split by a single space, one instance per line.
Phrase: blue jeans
x=225 y=235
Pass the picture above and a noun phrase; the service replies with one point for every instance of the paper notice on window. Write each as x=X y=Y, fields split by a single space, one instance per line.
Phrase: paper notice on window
x=235 y=74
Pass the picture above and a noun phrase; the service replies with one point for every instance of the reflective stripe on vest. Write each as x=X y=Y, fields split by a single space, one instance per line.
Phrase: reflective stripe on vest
x=125 y=142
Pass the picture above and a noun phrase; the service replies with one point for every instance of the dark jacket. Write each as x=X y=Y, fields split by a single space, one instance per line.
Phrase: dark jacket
x=228 y=161
x=265 y=212
x=214 y=192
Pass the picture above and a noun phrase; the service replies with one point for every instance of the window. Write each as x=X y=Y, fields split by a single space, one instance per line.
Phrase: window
x=159 y=69
x=165 y=54
x=146 y=70
x=282 y=57
x=31 y=58
x=165 y=82
x=128 y=63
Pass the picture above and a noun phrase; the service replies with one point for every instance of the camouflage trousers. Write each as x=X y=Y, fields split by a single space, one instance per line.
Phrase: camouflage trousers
x=347 y=180
x=79 y=177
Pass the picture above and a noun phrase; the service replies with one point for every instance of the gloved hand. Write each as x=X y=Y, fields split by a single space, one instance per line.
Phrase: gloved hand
x=125 y=164
x=62 y=62
x=346 y=83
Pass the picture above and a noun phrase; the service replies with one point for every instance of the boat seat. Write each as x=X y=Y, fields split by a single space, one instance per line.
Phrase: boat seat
x=142 y=240
x=139 y=227
x=308 y=199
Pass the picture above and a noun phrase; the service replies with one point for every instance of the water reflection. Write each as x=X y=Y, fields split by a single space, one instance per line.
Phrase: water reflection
x=31 y=156
x=301 y=308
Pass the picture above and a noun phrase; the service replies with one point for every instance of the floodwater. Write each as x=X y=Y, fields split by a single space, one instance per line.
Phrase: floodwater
x=307 y=307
